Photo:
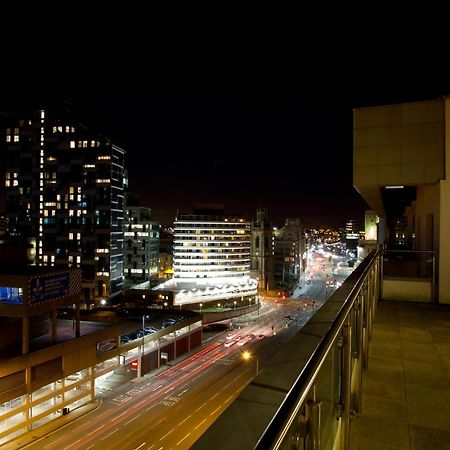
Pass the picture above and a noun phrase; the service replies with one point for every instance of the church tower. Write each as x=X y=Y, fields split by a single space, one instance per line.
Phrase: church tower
x=262 y=249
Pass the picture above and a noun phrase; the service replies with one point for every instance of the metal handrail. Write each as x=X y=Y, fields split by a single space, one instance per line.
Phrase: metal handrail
x=277 y=429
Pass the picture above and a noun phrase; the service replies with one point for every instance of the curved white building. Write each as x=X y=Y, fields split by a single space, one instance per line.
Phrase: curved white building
x=211 y=260
x=210 y=247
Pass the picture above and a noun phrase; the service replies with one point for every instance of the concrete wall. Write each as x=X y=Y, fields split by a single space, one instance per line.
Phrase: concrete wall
x=408 y=290
x=444 y=243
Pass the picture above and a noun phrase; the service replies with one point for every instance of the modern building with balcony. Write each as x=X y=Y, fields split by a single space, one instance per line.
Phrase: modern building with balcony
x=211 y=260
x=64 y=194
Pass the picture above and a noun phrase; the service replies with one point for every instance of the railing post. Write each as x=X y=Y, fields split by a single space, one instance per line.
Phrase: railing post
x=346 y=384
x=433 y=280
x=365 y=316
x=359 y=354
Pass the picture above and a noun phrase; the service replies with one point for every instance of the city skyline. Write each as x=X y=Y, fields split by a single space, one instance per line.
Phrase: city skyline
x=292 y=154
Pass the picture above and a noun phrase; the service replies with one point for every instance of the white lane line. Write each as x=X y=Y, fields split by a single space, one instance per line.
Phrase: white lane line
x=181 y=393
x=87 y=448
x=148 y=409
x=226 y=386
x=215 y=395
x=201 y=423
x=49 y=445
x=200 y=407
x=167 y=434
x=137 y=448
x=171 y=389
x=140 y=403
x=184 y=420
x=178 y=443
x=120 y=415
x=134 y=418
x=156 y=388
x=104 y=437
x=229 y=398
x=217 y=409
x=71 y=445
x=92 y=432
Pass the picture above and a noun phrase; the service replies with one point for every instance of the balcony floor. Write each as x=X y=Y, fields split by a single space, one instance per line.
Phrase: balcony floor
x=406 y=389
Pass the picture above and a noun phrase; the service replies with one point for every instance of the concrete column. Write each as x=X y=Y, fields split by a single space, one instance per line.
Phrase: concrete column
x=54 y=328
x=77 y=320
x=25 y=334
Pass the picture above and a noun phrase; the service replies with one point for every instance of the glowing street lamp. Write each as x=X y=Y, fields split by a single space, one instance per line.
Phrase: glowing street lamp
x=201 y=304
x=235 y=302
x=247 y=356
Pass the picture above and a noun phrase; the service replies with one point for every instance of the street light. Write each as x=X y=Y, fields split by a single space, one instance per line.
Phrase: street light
x=235 y=302
x=201 y=304
x=247 y=356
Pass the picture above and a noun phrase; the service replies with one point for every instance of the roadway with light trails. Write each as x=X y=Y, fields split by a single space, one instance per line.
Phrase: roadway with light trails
x=172 y=409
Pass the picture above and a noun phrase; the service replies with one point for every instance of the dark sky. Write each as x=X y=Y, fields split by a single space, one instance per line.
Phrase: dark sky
x=292 y=151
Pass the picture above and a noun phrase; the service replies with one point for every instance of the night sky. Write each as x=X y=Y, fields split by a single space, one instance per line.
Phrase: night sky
x=292 y=153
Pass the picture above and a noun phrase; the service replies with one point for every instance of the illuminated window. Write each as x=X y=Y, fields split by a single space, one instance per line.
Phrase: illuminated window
x=67 y=129
x=78 y=259
x=8 y=138
x=85 y=144
x=71 y=236
x=16 y=138
x=72 y=144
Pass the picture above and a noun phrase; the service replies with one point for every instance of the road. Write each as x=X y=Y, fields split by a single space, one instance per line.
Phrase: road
x=172 y=409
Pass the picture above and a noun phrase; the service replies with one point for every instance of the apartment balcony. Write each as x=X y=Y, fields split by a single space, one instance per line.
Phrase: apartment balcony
x=363 y=373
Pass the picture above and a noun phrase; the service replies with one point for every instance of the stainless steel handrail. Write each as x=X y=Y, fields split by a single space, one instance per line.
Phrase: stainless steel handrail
x=278 y=427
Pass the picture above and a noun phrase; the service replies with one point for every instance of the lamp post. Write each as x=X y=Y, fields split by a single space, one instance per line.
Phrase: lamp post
x=201 y=304
x=235 y=304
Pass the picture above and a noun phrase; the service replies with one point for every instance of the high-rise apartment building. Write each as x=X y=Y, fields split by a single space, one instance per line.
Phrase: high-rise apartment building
x=64 y=193
x=141 y=245
x=211 y=260
x=210 y=246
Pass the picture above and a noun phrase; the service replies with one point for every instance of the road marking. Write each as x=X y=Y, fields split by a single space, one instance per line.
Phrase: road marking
x=167 y=434
x=201 y=423
x=134 y=418
x=104 y=437
x=140 y=403
x=72 y=444
x=229 y=398
x=148 y=409
x=171 y=389
x=92 y=432
x=226 y=386
x=200 y=407
x=49 y=445
x=181 y=393
x=184 y=420
x=217 y=409
x=215 y=395
x=120 y=415
x=137 y=448
x=156 y=388
x=178 y=443
x=87 y=448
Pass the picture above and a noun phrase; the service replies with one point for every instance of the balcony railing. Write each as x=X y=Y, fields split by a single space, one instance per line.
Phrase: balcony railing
x=304 y=396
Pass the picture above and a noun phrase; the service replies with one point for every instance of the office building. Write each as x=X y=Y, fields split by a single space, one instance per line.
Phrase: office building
x=211 y=259
x=64 y=194
x=289 y=253
x=141 y=245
